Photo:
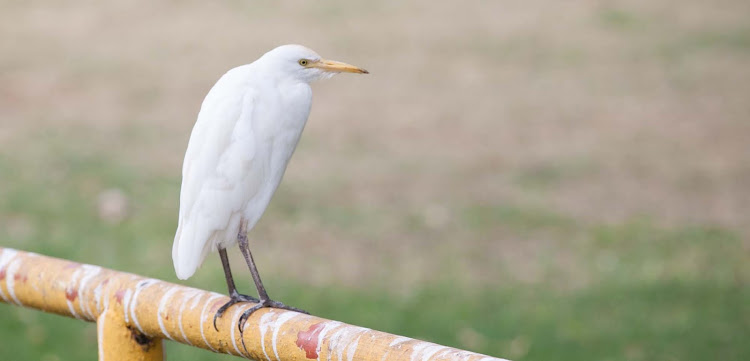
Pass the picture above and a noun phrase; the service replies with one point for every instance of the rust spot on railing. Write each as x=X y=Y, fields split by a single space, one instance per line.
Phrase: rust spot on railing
x=119 y=295
x=308 y=340
x=71 y=295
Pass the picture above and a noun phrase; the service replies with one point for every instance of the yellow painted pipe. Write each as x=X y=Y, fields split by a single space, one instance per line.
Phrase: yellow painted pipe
x=134 y=314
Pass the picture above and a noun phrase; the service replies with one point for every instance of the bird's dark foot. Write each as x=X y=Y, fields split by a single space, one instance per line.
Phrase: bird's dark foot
x=235 y=298
x=261 y=304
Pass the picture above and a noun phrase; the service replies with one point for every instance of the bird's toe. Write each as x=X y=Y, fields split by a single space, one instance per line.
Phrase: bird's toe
x=276 y=304
x=247 y=313
x=234 y=299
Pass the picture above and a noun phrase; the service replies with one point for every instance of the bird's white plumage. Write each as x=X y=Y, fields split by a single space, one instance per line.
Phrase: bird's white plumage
x=247 y=129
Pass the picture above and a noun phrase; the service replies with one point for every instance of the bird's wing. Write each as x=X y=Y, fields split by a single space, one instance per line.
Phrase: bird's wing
x=216 y=177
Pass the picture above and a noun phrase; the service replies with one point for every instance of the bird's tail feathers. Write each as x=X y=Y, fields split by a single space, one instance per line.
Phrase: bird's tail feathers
x=187 y=252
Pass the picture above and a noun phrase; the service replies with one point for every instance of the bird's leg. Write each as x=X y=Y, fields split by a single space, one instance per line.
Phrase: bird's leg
x=265 y=301
x=242 y=241
x=233 y=294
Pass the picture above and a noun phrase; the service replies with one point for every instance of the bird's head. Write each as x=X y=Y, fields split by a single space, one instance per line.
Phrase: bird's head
x=304 y=64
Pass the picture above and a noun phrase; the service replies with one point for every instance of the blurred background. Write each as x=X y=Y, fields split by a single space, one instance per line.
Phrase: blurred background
x=533 y=180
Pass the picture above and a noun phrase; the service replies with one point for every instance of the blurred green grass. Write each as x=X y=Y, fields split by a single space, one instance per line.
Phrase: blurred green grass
x=652 y=292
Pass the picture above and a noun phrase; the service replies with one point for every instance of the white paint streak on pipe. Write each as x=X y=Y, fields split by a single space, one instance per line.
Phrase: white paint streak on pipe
x=196 y=298
x=70 y=290
x=343 y=339
x=134 y=302
x=234 y=328
x=334 y=343
x=425 y=350
x=352 y=349
x=328 y=326
x=106 y=304
x=467 y=355
x=10 y=279
x=385 y=355
x=263 y=325
x=286 y=316
x=432 y=350
x=442 y=354
x=89 y=272
x=126 y=303
x=98 y=297
x=387 y=351
x=100 y=334
x=160 y=310
x=7 y=256
x=203 y=321
x=399 y=340
x=191 y=296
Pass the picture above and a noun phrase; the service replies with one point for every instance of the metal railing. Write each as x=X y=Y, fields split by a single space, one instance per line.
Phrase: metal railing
x=134 y=314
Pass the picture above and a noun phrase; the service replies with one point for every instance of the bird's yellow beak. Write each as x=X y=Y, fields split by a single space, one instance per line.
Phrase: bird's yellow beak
x=337 y=67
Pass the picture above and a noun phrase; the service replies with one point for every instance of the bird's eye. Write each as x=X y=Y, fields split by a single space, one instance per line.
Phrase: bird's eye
x=303 y=62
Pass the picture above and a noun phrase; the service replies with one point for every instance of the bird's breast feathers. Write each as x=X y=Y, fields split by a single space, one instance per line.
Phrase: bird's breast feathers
x=239 y=149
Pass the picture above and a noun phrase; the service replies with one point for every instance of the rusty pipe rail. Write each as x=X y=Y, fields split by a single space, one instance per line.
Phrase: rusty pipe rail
x=133 y=315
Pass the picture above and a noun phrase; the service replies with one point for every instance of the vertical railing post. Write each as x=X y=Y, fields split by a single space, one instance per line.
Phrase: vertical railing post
x=118 y=342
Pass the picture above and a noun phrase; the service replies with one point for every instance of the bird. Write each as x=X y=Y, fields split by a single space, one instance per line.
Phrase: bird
x=247 y=129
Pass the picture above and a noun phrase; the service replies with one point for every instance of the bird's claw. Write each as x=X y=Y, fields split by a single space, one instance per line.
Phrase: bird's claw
x=262 y=304
x=234 y=298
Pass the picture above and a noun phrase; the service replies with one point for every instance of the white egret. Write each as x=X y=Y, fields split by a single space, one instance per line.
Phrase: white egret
x=247 y=129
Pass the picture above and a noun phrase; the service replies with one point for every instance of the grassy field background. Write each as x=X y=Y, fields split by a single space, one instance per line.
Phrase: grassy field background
x=533 y=180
